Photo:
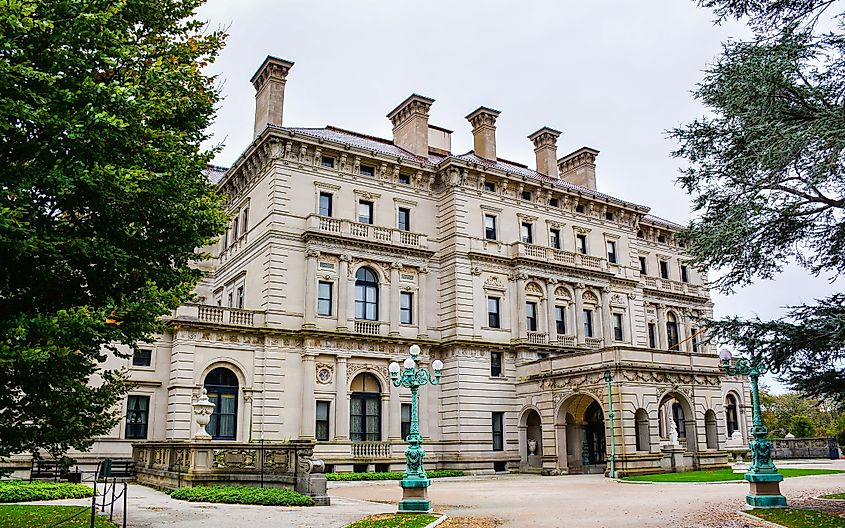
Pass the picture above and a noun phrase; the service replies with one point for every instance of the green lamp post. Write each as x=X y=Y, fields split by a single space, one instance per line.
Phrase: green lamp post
x=762 y=475
x=414 y=481
x=608 y=378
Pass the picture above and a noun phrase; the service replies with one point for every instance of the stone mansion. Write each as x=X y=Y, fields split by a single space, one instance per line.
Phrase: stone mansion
x=526 y=282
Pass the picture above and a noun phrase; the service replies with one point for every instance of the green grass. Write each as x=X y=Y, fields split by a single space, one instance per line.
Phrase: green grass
x=390 y=475
x=720 y=475
x=243 y=495
x=395 y=520
x=800 y=518
x=22 y=491
x=838 y=496
x=42 y=516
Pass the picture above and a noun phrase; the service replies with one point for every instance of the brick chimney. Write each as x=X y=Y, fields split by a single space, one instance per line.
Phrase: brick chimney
x=483 y=121
x=410 y=124
x=545 y=149
x=269 y=82
x=579 y=167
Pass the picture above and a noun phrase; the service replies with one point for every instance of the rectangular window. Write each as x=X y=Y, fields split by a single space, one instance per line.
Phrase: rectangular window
x=406 y=307
x=141 y=357
x=684 y=274
x=609 y=216
x=365 y=212
x=560 y=320
x=365 y=417
x=617 y=327
x=367 y=170
x=321 y=429
x=495 y=364
x=404 y=179
x=225 y=240
x=652 y=335
x=531 y=316
x=245 y=220
x=526 y=232
x=405 y=410
x=327 y=161
x=490 y=227
x=554 y=202
x=611 y=251
x=324 y=298
x=493 y=320
x=526 y=195
x=554 y=238
x=643 y=265
x=231 y=298
x=664 y=269
x=581 y=243
x=137 y=416
x=325 y=204
x=240 y=296
x=588 y=323
x=235 y=223
x=489 y=186
x=404 y=219
x=498 y=431
x=694 y=339
x=579 y=209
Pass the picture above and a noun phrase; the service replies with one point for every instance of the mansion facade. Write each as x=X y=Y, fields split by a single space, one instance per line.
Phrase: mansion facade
x=527 y=283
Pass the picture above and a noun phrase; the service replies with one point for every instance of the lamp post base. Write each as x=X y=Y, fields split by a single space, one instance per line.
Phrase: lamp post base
x=415 y=496
x=765 y=490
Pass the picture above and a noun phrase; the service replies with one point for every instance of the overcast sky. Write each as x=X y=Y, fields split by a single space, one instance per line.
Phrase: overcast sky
x=612 y=75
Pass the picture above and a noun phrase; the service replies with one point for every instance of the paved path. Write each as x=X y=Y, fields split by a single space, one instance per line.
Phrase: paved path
x=529 y=501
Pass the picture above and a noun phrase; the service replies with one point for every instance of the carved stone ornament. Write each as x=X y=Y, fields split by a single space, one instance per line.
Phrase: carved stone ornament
x=475 y=270
x=618 y=301
x=589 y=297
x=533 y=288
x=324 y=373
x=562 y=293
x=494 y=283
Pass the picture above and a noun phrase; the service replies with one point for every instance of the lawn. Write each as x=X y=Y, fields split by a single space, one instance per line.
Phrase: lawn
x=14 y=516
x=721 y=475
x=395 y=520
x=837 y=496
x=800 y=518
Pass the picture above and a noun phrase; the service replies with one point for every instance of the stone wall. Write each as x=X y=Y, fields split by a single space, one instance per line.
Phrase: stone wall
x=819 y=447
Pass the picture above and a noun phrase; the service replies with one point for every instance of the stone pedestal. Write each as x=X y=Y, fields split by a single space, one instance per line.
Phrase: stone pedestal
x=415 y=496
x=765 y=490
x=675 y=454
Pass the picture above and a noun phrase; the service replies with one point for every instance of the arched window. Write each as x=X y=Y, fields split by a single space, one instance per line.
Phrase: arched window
x=365 y=409
x=680 y=422
x=672 y=330
x=731 y=414
x=710 y=429
x=222 y=386
x=366 y=295
x=643 y=434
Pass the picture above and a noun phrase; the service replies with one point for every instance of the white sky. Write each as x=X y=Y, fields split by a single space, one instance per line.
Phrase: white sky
x=610 y=74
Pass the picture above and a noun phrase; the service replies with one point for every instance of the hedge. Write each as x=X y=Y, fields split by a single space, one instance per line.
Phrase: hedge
x=22 y=491
x=243 y=495
x=391 y=475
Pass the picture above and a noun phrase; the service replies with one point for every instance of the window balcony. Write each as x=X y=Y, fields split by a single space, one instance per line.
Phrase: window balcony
x=370 y=449
x=367 y=327
x=367 y=232
x=219 y=315
x=566 y=341
x=593 y=342
x=561 y=256
x=668 y=285
x=538 y=338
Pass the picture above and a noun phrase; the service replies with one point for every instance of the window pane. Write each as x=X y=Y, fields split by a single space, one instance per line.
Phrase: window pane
x=325 y=204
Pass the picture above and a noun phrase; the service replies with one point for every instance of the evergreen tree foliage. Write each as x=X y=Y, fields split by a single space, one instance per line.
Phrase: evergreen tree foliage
x=767 y=178
x=103 y=200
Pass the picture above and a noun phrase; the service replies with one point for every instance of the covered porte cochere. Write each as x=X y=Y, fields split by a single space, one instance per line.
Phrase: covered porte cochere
x=663 y=422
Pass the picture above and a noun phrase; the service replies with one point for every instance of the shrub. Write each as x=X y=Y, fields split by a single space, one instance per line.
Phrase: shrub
x=390 y=475
x=21 y=491
x=243 y=495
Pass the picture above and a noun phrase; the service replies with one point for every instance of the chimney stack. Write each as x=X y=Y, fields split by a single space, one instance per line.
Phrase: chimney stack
x=579 y=167
x=269 y=82
x=410 y=124
x=483 y=121
x=545 y=149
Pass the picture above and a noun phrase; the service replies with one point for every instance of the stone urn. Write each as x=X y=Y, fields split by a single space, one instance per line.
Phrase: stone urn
x=532 y=446
x=202 y=414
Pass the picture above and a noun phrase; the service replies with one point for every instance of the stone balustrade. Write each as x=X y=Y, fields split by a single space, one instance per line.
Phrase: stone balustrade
x=548 y=254
x=219 y=315
x=538 y=338
x=368 y=327
x=668 y=285
x=370 y=449
x=348 y=228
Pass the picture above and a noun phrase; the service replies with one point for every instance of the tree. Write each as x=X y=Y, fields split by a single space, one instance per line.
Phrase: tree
x=768 y=182
x=103 y=200
x=802 y=427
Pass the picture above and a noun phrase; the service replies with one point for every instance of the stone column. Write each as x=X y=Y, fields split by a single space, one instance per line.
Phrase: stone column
x=309 y=407
x=520 y=306
x=311 y=257
x=606 y=323
x=551 y=284
x=385 y=415
x=629 y=314
x=343 y=293
x=341 y=407
x=394 y=415
x=688 y=329
x=422 y=303
x=393 y=316
x=662 y=338
x=683 y=332
x=579 y=313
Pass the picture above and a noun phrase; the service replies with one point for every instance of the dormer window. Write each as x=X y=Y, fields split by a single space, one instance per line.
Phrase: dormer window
x=404 y=179
x=526 y=195
x=489 y=186
x=554 y=202
x=579 y=209
x=367 y=170
x=327 y=161
x=609 y=216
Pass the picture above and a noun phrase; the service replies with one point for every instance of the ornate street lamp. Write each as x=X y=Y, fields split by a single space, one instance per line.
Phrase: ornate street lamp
x=608 y=378
x=414 y=482
x=762 y=475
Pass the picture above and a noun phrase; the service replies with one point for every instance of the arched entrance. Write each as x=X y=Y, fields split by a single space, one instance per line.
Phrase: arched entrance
x=674 y=411
x=531 y=440
x=365 y=409
x=581 y=435
x=222 y=386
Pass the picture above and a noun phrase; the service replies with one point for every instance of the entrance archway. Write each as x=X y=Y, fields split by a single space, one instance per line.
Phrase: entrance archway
x=674 y=408
x=581 y=435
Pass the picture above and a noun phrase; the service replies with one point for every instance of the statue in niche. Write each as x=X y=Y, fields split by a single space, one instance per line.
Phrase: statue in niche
x=532 y=446
x=673 y=432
